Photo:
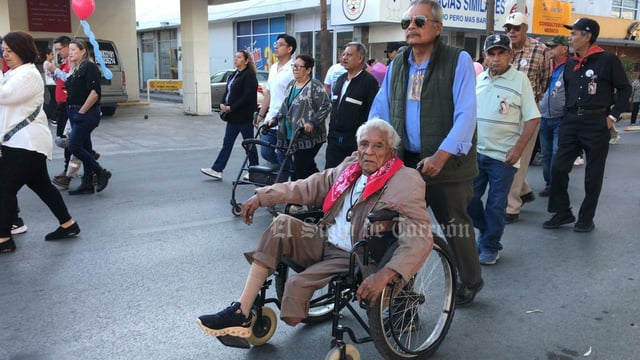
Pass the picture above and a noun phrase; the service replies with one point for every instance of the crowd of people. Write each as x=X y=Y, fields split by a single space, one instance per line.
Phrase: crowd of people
x=27 y=142
x=468 y=128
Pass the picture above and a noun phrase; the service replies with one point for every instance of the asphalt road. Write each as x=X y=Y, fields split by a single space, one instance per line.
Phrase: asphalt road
x=160 y=246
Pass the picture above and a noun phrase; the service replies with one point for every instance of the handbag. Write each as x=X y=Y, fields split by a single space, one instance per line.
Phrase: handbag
x=223 y=116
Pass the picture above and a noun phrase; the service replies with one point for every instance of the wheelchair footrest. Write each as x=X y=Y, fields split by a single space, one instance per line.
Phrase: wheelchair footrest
x=234 y=341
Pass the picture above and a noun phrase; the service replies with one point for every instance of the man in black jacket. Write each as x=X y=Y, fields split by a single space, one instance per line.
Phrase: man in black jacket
x=351 y=99
x=597 y=90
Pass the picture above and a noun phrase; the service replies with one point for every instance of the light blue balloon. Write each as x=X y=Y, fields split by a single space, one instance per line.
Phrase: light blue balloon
x=96 y=49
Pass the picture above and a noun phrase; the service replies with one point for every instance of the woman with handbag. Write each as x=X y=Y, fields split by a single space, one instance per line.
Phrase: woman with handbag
x=305 y=106
x=240 y=103
x=26 y=140
x=83 y=110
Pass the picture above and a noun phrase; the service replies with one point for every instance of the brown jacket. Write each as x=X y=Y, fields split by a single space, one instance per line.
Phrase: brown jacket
x=404 y=193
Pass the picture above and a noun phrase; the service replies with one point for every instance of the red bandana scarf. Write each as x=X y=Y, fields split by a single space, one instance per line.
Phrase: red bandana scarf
x=350 y=175
x=595 y=49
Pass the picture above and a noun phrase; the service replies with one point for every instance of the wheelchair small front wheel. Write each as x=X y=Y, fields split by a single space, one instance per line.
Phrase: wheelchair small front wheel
x=350 y=350
x=263 y=327
x=236 y=209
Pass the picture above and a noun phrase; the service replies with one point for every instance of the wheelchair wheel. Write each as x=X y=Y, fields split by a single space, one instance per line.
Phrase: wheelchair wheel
x=263 y=328
x=413 y=321
x=322 y=302
x=352 y=353
x=236 y=209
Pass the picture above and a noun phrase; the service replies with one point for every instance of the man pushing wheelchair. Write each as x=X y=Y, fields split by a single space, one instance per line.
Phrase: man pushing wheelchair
x=375 y=179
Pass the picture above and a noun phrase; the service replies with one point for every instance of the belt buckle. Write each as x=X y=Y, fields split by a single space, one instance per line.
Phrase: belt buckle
x=580 y=111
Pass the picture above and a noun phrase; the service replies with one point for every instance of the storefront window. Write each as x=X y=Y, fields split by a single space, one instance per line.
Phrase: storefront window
x=258 y=36
x=625 y=9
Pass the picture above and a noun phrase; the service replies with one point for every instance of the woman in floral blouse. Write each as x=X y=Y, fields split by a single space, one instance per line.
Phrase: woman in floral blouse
x=306 y=105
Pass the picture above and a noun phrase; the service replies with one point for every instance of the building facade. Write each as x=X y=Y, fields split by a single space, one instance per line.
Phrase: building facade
x=255 y=24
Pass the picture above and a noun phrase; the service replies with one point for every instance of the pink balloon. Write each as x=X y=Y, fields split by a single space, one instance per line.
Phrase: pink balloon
x=83 y=8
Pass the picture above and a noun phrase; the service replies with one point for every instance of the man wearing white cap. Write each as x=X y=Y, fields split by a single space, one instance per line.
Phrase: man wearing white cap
x=532 y=58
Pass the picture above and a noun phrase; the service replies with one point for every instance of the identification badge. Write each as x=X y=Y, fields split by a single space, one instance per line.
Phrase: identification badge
x=592 y=88
x=416 y=85
x=504 y=106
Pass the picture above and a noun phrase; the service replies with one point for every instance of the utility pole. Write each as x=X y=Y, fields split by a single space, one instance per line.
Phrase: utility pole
x=491 y=16
x=325 y=52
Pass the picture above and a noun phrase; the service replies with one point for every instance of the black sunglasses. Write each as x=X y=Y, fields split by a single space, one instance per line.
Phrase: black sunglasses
x=419 y=20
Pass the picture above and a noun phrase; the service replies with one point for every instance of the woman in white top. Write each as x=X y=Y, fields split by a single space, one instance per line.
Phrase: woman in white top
x=50 y=86
x=25 y=140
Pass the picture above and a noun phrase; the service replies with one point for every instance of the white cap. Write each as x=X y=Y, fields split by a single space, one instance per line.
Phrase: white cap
x=516 y=19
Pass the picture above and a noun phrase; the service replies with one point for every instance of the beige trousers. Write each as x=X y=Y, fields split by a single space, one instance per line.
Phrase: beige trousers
x=307 y=246
x=519 y=186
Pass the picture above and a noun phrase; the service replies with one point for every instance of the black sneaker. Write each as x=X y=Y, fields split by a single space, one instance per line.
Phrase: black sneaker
x=584 y=226
x=7 y=246
x=62 y=233
x=229 y=321
x=559 y=219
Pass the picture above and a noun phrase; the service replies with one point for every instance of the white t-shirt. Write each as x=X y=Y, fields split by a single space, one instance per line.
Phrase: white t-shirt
x=277 y=83
x=340 y=232
x=333 y=74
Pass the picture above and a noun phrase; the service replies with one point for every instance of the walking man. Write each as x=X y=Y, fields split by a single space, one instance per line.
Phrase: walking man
x=280 y=75
x=594 y=80
x=429 y=95
x=532 y=58
x=351 y=99
x=552 y=108
x=507 y=118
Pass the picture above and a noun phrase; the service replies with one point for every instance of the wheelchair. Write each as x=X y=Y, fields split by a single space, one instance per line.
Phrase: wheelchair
x=406 y=322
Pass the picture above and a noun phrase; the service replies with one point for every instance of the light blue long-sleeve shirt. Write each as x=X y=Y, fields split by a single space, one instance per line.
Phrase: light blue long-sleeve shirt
x=459 y=140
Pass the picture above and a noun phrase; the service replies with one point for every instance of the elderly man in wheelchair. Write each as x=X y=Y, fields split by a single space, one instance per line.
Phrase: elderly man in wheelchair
x=375 y=179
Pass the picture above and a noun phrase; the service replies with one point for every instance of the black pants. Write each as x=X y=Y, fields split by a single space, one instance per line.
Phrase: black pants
x=339 y=146
x=448 y=202
x=577 y=133
x=634 y=112
x=24 y=167
x=50 y=107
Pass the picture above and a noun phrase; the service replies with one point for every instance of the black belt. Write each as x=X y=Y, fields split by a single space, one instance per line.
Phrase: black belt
x=74 y=106
x=580 y=111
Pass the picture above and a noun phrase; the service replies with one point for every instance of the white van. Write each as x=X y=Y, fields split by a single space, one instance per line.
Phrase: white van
x=114 y=91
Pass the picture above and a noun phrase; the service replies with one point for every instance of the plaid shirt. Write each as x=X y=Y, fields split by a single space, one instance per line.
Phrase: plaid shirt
x=534 y=60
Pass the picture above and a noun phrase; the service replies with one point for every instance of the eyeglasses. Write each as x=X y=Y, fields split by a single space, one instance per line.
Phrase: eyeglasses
x=58 y=48
x=278 y=44
x=298 y=67
x=508 y=28
x=419 y=20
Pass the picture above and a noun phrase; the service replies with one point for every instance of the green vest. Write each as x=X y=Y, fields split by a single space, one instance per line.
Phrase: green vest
x=436 y=110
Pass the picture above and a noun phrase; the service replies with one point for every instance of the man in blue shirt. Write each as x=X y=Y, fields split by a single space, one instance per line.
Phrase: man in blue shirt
x=429 y=96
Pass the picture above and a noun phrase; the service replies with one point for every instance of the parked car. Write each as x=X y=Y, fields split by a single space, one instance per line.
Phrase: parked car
x=219 y=82
x=114 y=90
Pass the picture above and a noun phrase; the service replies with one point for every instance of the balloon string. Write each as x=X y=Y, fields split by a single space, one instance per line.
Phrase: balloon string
x=96 y=49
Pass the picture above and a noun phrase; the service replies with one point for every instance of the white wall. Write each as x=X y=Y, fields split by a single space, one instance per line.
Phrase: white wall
x=221 y=46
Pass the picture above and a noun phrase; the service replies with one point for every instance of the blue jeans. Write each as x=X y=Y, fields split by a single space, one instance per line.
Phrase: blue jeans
x=268 y=153
x=490 y=220
x=230 y=135
x=548 y=146
x=80 y=138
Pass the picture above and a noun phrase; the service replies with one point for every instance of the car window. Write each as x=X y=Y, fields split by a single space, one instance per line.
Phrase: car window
x=263 y=76
x=218 y=77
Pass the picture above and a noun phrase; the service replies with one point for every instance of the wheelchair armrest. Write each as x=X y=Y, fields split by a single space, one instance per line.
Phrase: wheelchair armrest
x=382 y=215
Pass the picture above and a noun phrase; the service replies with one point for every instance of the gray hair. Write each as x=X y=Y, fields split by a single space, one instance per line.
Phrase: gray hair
x=378 y=124
x=359 y=48
x=436 y=8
